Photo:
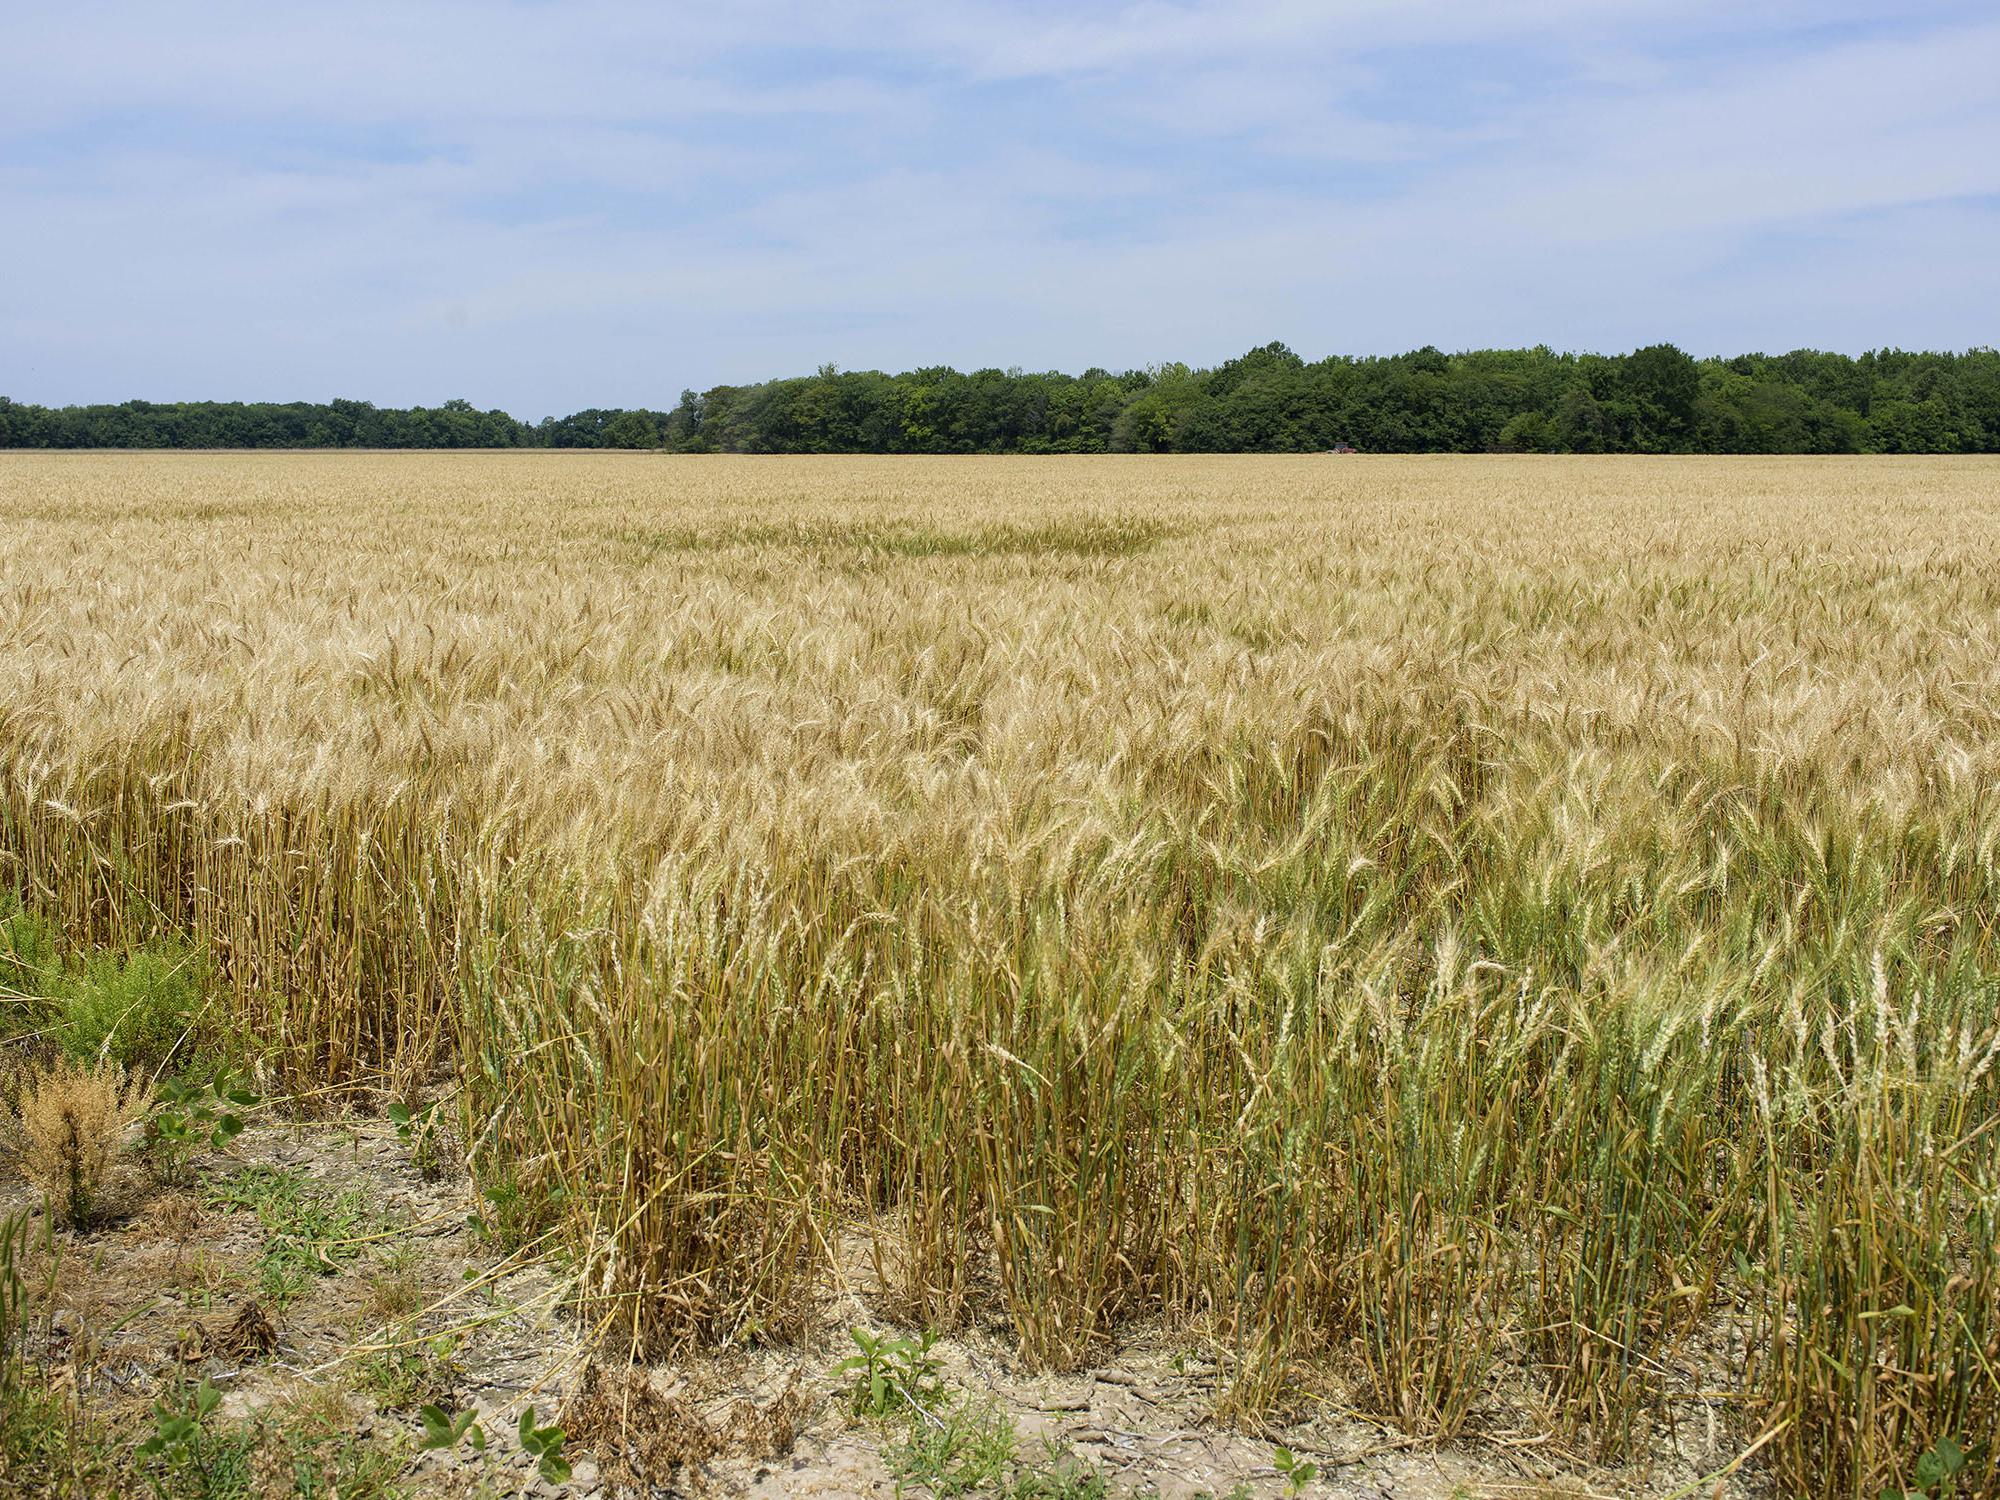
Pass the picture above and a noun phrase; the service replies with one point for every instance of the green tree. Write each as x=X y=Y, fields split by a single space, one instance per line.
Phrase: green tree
x=1663 y=384
x=1581 y=425
x=1527 y=432
x=631 y=429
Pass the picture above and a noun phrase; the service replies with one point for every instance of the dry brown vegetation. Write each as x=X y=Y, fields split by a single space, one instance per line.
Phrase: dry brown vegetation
x=73 y=1123
x=1414 y=923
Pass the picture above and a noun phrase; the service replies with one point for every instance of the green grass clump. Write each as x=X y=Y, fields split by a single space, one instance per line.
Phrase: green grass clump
x=304 y=1448
x=49 y=1445
x=309 y=1233
x=28 y=960
x=942 y=1442
x=29 y=966
x=147 y=1009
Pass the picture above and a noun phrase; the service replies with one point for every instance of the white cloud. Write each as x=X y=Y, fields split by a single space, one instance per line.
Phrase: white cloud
x=549 y=207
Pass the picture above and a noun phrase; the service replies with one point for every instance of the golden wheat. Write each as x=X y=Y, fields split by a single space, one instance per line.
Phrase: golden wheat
x=1434 y=921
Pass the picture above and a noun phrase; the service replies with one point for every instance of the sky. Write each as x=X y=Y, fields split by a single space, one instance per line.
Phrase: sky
x=571 y=203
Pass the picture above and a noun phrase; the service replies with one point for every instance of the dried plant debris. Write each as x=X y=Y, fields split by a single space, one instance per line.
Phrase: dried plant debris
x=250 y=1335
x=73 y=1121
x=640 y=1436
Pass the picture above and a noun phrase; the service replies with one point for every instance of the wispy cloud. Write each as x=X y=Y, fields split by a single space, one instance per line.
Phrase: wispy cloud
x=547 y=207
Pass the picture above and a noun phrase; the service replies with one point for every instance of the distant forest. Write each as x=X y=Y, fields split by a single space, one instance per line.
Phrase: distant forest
x=1654 y=400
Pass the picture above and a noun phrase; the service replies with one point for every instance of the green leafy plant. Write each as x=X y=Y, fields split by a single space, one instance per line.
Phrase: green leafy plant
x=891 y=1374
x=175 y=1430
x=189 y=1118
x=515 y=1212
x=419 y=1131
x=186 y=1456
x=1936 y=1474
x=446 y=1429
x=28 y=964
x=1295 y=1471
x=544 y=1444
x=410 y=1122
x=414 y=1371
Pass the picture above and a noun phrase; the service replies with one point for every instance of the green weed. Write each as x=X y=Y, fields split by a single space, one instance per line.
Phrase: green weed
x=143 y=1009
x=187 y=1119
x=29 y=965
x=1935 y=1475
x=545 y=1446
x=889 y=1375
x=308 y=1232
x=189 y=1455
x=415 y=1370
x=1295 y=1471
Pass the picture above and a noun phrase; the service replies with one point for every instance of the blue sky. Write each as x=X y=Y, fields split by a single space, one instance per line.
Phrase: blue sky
x=546 y=206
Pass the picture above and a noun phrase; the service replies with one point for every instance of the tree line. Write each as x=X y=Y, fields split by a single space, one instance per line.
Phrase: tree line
x=1653 y=400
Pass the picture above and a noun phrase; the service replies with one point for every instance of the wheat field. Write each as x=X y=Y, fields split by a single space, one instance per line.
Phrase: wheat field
x=1432 y=929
